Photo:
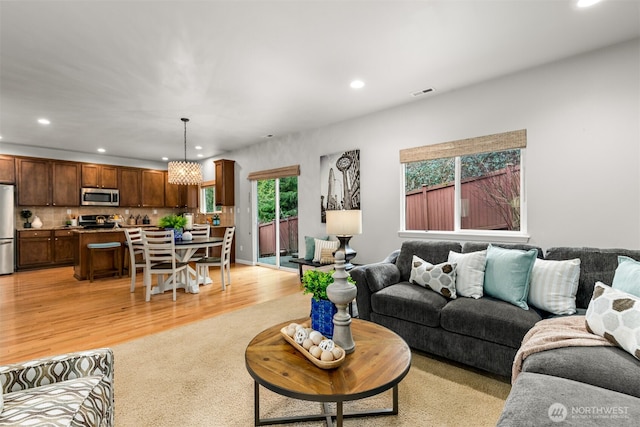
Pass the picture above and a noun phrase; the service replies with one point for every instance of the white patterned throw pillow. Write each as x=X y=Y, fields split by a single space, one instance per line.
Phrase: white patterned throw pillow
x=470 y=273
x=324 y=244
x=615 y=315
x=439 y=278
x=554 y=285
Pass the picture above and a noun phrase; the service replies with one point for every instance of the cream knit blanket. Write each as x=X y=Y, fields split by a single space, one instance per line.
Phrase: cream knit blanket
x=555 y=333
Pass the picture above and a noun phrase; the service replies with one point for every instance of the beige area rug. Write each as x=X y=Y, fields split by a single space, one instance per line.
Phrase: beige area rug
x=195 y=376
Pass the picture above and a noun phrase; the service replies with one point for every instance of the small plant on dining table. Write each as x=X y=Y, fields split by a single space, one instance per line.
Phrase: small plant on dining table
x=172 y=221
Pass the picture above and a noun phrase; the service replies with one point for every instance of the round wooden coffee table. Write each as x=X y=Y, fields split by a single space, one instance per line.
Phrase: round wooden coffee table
x=380 y=361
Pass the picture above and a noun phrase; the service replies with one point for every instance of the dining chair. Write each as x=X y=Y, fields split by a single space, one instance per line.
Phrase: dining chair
x=200 y=231
x=160 y=259
x=135 y=248
x=224 y=261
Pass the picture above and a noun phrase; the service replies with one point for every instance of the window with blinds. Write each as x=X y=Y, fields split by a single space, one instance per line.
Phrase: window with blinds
x=473 y=184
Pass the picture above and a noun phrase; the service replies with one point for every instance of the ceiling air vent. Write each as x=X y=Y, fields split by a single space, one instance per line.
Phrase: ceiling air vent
x=423 y=92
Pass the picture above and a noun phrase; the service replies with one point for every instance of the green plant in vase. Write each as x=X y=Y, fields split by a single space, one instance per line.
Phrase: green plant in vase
x=177 y=222
x=315 y=282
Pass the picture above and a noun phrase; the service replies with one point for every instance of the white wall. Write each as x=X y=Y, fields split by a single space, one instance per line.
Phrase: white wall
x=582 y=160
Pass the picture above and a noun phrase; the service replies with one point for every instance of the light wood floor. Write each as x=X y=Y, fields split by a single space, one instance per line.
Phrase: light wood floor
x=47 y=312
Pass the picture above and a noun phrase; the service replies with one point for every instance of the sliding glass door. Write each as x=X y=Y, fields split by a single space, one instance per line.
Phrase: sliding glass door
x=277 y=225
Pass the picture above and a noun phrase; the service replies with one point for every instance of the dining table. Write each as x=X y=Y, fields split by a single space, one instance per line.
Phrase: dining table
x=185 y=249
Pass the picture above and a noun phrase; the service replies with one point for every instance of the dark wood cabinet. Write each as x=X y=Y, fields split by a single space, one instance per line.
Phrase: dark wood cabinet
x=7 y=170
x=225 y=177
x=65 y=189
x=34 y=182
x=46 y=248
x=180 y=196
x=34 y=249
x=99 y=176
x=153 y=188
x=64 y=246
x=130 y=194
x=44 y=182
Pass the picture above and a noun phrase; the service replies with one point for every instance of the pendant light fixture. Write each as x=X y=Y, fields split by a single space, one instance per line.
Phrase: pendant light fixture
x=185 y=173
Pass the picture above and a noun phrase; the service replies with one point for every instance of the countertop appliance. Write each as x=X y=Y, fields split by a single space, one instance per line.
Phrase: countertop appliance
x=7 y=229
x=95 y=221
x=99 y=197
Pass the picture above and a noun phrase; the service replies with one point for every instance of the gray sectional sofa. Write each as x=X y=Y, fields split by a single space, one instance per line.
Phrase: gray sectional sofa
x=486 y=333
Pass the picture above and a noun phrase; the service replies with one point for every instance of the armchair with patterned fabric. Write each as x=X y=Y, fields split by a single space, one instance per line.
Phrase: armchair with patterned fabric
x=74 y=389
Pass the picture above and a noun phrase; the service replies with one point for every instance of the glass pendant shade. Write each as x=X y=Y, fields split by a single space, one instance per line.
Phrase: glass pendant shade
x=184 y=173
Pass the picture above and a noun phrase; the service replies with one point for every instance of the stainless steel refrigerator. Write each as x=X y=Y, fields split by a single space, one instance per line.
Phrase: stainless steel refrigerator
x=7 y=241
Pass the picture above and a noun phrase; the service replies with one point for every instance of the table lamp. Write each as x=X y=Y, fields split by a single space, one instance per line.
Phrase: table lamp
x=344 y=224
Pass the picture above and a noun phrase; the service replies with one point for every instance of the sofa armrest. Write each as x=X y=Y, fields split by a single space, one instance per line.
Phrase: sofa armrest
x=50 y=370
x=370 y=279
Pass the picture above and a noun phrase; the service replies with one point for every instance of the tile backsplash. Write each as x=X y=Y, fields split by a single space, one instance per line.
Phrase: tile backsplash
x=57 y=217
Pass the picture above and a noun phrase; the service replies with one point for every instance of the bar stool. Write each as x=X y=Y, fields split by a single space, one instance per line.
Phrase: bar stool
x=113 y=247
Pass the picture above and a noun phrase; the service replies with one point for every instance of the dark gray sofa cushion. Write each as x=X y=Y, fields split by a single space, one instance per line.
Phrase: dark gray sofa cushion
x=532 y=396
x=409 y=302
x=606 y=367
x=488 y=319
x=433 y=252
x=595 y=265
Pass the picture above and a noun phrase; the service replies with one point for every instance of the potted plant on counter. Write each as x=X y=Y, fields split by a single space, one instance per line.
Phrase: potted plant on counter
x=315 y=282
x=175 y=222
x=26 y=214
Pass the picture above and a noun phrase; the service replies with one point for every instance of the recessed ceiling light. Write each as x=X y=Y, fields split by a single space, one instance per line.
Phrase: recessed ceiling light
x=165 y=158
x=0 y=136
x=200 y=155
x=101 y=150
x=198 y=147
x=587 y=3
x=44 y=121
x=357 y=84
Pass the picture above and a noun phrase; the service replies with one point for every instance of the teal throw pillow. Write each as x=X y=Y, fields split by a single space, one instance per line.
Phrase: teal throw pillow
x=627 y=276
x=507 y=274
x=310 y=246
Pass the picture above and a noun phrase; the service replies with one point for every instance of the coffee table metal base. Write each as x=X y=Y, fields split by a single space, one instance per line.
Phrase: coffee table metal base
x=326 y=415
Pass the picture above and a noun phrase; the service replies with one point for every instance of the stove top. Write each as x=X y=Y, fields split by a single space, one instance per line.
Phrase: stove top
x=91 y=221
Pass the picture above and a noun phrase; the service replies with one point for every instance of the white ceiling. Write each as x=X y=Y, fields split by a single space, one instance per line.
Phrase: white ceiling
x=121 y=74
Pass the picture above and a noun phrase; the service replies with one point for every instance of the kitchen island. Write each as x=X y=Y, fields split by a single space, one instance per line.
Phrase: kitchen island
x=101 y=260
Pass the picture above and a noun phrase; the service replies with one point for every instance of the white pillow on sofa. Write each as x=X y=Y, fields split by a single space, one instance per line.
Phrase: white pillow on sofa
x=470 y=273
x=439 y=278
x=615 y=315
x=324 y=244
x=554 y=285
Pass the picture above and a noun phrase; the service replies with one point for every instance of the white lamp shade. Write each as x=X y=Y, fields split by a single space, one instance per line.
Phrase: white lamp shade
x=344 y=222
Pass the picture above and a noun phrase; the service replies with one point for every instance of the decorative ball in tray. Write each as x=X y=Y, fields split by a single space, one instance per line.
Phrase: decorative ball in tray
x=322 y=352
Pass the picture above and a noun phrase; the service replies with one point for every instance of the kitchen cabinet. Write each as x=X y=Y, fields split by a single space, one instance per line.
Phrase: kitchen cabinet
x=130 y=190
x=45 y=248
x=99 y=176
x=7 y=170
x=225 y=177
x=153 y=188
x=43 y=182
x=34 y=249
x=64 y=246
x=65 y=189
x=180 y=196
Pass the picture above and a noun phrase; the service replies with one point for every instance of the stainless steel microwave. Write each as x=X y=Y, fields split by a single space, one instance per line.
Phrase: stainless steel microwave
x=99 y=197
